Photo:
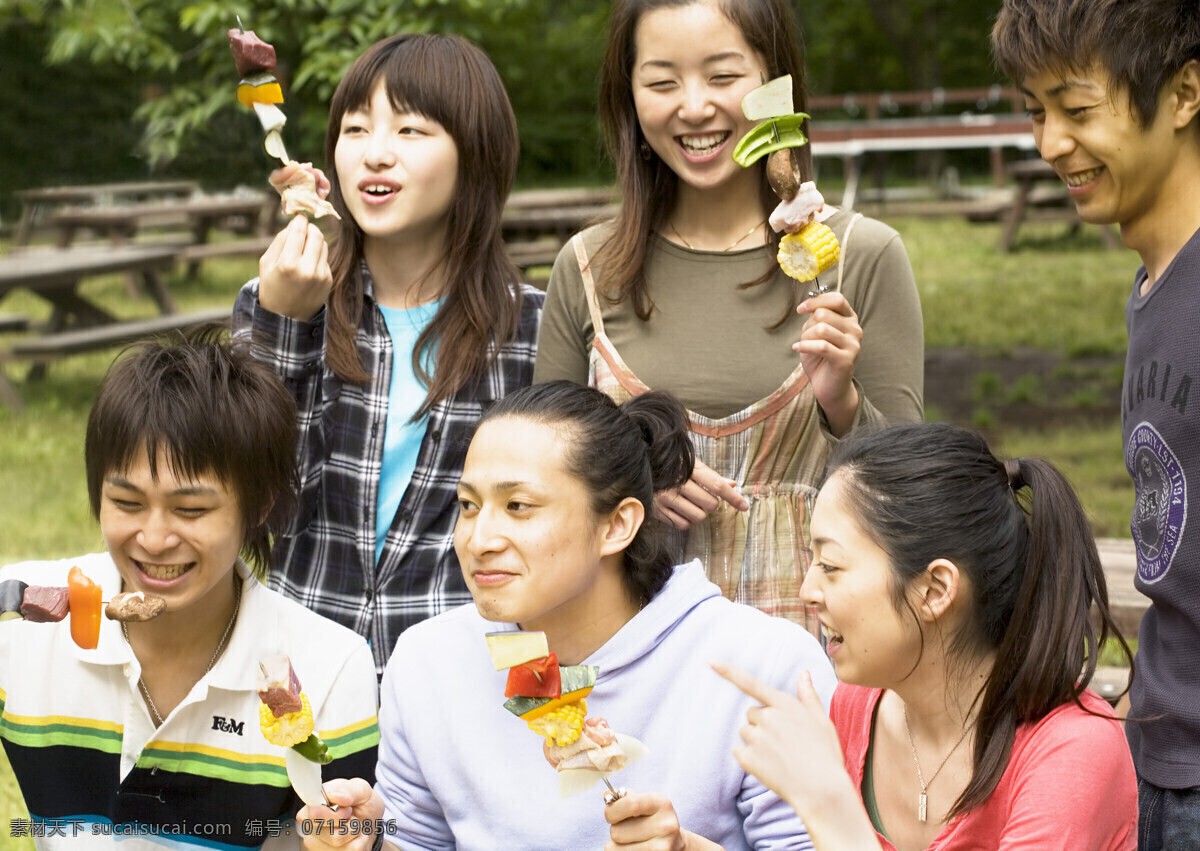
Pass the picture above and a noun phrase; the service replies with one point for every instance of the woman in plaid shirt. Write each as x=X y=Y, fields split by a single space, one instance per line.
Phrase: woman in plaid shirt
x=397 y=334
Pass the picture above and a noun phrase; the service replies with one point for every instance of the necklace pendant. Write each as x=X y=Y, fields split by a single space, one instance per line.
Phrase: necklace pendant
x=922 y=807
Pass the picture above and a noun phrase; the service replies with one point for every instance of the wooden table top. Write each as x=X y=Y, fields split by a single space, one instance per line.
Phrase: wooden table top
x=129 y=213
x=52 y=268
x=84 y=193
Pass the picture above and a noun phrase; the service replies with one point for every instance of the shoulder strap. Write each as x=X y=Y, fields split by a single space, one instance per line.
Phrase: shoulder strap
x=842 y=250
x=589 y=285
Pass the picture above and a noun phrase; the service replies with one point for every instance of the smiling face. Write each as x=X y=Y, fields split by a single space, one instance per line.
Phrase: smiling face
x=692 y=66
x=176 y=538
x=1115 y=169
x=530 y=546
x=869 y=642
x=397 y=171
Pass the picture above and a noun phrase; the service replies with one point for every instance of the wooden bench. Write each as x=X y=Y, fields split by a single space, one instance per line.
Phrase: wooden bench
x=254 y=246
x=534 y=254
x=1125 y=603
x=1110 y=682
x=48 y=347
x=582 y=196
x=54 y=346
x=10 y=322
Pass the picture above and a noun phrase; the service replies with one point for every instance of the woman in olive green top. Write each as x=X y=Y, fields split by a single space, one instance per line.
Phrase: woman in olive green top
x=685 y=295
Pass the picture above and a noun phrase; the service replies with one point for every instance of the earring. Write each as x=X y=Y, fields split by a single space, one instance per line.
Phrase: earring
x=645 y=150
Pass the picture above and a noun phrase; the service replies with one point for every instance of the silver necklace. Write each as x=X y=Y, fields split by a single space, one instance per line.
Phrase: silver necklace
x=237 y=604
x=923 y=798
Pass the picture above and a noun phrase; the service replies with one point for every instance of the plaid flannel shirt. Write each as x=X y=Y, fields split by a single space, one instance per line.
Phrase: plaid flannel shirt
x=326 y=559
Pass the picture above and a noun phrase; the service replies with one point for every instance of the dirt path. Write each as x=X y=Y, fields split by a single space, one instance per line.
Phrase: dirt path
x=1030 y=388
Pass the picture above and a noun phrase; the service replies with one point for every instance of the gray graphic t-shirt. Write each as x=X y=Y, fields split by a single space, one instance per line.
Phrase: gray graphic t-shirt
x=1160 y=416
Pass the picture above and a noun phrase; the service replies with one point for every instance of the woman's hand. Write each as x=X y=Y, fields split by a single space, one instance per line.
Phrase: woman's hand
x=356 y=801
x=294 y=278
x=792 y=747
x=698 y=497
x=648 y=822
x=829 y=344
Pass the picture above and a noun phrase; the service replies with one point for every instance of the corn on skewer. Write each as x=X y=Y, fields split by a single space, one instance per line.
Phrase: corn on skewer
x=809 y=252
x=563 y=725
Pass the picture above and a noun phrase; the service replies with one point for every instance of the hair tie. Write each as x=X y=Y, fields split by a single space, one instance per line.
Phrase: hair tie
x=647 y=432
x=1012 y=468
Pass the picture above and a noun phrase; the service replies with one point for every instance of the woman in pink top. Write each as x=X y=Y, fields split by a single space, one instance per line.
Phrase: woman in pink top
x=955 y=594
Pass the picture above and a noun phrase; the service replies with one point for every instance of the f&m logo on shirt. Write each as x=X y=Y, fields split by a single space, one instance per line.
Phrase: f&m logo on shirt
x=228 y=725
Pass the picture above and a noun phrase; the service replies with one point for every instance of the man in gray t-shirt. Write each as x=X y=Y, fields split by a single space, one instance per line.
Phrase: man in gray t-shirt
x=1113 y=91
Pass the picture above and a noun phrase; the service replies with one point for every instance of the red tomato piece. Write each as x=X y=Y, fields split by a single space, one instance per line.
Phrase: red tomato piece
x=537 y=678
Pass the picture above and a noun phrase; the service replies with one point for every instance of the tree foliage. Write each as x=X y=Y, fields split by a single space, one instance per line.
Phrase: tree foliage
x=906 y=44
x=180 y=52
x=165 y=64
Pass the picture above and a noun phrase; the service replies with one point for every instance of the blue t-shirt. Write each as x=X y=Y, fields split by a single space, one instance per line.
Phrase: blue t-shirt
x=402 y=439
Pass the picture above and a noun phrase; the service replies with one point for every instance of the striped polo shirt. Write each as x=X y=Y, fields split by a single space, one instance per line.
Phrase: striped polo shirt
x=91 y=764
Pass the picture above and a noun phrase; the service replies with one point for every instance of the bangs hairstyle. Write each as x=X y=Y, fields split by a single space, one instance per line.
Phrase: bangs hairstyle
x=648 y=186
x=209 y=408
x=446 y=79
x=1141 y=45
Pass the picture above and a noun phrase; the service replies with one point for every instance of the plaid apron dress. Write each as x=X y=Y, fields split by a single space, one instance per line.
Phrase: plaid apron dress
x=773 y=449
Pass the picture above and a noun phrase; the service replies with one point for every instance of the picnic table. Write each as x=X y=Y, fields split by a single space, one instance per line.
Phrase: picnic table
x=852 y=140
x=536 y=223
x=556 y=213
x=251 y=213
x=35 y=203
x=77 y=323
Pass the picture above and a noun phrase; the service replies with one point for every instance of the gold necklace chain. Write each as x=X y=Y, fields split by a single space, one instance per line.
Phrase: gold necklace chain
x=237 y=604
x=923 y=798
x=731 y=245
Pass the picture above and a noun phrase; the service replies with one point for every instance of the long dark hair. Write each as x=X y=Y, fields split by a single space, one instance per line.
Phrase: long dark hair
x=449 y=80
x=634 y=450
x=648 y=186
x=210 y=408
x=1017 y=531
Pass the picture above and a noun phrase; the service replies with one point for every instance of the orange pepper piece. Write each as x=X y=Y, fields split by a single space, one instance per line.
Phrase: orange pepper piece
x=83 y=600
x=249 y=94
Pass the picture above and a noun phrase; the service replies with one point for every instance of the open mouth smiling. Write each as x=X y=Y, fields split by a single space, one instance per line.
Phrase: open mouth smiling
x=1081 y=178
x=163 y=572
x=702 y=144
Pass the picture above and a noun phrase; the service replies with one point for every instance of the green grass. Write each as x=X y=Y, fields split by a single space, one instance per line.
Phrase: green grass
x=42 y=447
x=1091 y=459
x=1064 y=294
x=1054 y=291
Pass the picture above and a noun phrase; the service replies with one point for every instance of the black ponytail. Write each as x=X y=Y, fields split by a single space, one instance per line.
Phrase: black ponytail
x=1018 y=532
x=634 y=450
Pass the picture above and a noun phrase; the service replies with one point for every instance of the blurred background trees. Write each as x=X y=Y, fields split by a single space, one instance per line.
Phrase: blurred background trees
x=102 y=90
